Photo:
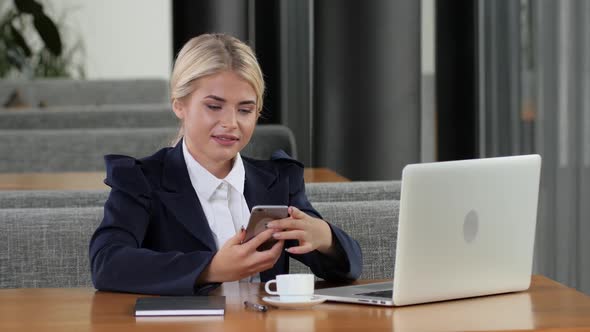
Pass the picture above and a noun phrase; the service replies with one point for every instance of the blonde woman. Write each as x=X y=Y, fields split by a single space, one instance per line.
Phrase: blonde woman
x=173 y=222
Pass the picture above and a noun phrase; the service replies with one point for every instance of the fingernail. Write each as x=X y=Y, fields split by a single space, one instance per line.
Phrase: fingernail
x=276 y=235
x=268 y=225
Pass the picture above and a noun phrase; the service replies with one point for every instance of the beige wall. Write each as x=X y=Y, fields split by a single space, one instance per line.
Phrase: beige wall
x=122 y=39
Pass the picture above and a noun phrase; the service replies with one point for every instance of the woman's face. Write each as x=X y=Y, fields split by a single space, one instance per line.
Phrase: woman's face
x=219 y=118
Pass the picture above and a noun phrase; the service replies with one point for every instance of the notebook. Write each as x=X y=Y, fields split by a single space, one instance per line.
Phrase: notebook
x=180 y=306
x=466 y=228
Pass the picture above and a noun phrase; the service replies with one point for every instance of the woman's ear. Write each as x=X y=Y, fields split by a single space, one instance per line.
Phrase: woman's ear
x=179 y=108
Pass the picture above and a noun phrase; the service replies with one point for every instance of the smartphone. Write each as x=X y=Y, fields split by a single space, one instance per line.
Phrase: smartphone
x=259 y=217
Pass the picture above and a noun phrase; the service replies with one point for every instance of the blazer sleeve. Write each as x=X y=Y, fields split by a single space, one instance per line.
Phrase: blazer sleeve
x=118 y=261
x=346 y=265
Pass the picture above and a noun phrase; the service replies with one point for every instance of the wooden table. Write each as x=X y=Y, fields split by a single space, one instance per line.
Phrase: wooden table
x=547 y=305
x=94 y=180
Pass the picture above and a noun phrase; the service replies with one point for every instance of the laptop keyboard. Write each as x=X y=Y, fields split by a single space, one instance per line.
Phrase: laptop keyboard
x=384 y=293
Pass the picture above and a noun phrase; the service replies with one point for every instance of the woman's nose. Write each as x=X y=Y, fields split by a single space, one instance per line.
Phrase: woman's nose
x=229 y=119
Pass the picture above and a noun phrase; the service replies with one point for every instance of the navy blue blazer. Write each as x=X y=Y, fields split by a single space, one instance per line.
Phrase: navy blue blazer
x=155 y=238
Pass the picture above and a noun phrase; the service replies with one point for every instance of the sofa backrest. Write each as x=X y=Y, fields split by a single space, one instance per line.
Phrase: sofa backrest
x=69 y=150
x=269 y=138
x=90 y=116
x=76 y=149
x=373 y=224
x=316 y=192
x=57 y=92
x=353 y=191
x=49 y=247
x=39 y=199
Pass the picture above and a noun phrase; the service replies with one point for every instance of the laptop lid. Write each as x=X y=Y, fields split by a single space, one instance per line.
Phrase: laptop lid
x=466 y=228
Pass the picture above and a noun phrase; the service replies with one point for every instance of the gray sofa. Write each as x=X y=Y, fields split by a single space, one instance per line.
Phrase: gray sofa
x=373 y=224
x=48 y=247
x=90 y=116
x=68 y=150
x=57 y=92
x=316 y=192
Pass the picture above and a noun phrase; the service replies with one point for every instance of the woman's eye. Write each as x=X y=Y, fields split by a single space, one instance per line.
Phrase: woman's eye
x=214 y=107
x=244 y=110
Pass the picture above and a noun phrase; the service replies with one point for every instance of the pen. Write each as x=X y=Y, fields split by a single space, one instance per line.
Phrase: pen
x=256 y=306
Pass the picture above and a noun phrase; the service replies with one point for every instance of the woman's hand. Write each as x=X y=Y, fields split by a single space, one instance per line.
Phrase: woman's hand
x=312 y=233
x=235 y=261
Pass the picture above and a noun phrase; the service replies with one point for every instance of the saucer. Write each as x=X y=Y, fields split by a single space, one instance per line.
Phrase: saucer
x=276 y=301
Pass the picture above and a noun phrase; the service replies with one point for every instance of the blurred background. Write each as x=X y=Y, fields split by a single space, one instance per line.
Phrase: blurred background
x=366 y=87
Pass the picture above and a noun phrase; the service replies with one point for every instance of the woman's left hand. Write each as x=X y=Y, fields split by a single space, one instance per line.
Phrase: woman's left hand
x=312 y=233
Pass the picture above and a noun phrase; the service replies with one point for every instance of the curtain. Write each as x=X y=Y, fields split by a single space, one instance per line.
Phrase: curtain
x=534 y=92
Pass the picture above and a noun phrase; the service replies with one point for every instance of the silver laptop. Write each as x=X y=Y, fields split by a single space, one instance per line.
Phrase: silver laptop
x=466 y=228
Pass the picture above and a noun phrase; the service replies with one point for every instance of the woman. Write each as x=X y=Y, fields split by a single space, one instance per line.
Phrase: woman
x=173 y=222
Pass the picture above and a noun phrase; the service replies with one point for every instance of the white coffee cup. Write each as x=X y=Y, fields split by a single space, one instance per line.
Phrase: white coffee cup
x=292 y=287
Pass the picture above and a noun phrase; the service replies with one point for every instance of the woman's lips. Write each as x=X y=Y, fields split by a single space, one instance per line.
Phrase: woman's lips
x=225 y=140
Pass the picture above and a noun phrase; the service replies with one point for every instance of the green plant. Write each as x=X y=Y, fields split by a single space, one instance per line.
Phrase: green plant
x=17 y=54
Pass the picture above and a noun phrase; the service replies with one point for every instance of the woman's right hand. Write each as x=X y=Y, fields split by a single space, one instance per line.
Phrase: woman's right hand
x=235 y=261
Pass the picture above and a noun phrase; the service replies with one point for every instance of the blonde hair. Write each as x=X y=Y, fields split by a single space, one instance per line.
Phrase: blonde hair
x=210 y=54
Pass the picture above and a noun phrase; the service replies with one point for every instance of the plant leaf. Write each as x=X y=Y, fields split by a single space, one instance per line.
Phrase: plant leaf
x=29 y=7
x=49 y=33
x=20 y=41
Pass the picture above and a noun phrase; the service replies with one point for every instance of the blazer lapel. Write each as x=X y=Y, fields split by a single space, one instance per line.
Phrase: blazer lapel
x=179 y=196
x=264 y=186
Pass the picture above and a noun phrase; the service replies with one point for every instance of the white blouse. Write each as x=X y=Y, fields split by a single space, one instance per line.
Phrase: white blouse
x=216 y=195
